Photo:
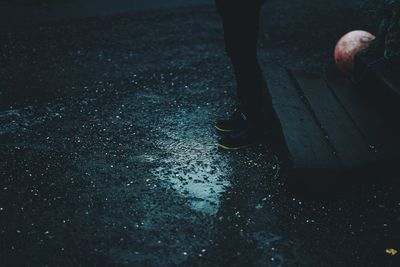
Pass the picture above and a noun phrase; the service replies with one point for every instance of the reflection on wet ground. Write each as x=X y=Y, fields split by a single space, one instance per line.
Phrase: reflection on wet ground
x=194 y=167
x=118 y=166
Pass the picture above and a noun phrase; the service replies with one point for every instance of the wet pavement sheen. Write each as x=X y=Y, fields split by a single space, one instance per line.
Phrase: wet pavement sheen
x=108 y=157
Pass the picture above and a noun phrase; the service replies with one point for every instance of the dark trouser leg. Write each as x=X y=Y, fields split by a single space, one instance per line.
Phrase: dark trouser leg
x=241 y=26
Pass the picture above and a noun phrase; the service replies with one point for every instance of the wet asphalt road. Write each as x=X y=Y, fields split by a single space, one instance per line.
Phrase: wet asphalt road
x=28 y=12
x=108 y=155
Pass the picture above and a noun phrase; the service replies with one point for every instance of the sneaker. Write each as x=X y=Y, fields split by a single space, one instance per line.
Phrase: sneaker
x=241 y=139
x=237 y=121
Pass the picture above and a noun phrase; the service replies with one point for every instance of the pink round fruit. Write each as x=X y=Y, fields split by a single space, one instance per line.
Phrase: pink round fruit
x=348 y=46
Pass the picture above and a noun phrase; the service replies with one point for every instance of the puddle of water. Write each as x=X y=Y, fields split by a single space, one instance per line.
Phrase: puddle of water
x=193 y=167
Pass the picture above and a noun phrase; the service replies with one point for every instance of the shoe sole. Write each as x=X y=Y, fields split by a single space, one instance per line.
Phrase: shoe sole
x=231 y=148
x=223 y=130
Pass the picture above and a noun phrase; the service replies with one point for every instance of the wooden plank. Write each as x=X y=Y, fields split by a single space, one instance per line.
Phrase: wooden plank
x=377 y=132
x=305 y=141
x=350 y=145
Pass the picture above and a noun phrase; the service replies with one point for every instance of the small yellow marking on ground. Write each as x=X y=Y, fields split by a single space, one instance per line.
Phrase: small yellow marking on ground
x=391 y=251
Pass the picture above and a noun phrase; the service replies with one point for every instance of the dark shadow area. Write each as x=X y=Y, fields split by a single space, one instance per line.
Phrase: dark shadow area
x=108 y=151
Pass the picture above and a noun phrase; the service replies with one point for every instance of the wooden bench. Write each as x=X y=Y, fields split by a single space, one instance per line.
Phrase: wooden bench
x=330 y=127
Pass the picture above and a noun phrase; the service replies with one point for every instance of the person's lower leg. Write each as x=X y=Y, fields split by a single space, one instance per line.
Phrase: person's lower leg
x=250 y=87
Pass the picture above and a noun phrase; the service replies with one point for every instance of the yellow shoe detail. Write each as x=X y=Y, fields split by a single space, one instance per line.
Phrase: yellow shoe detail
x=222 y=130
x=230 y=148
